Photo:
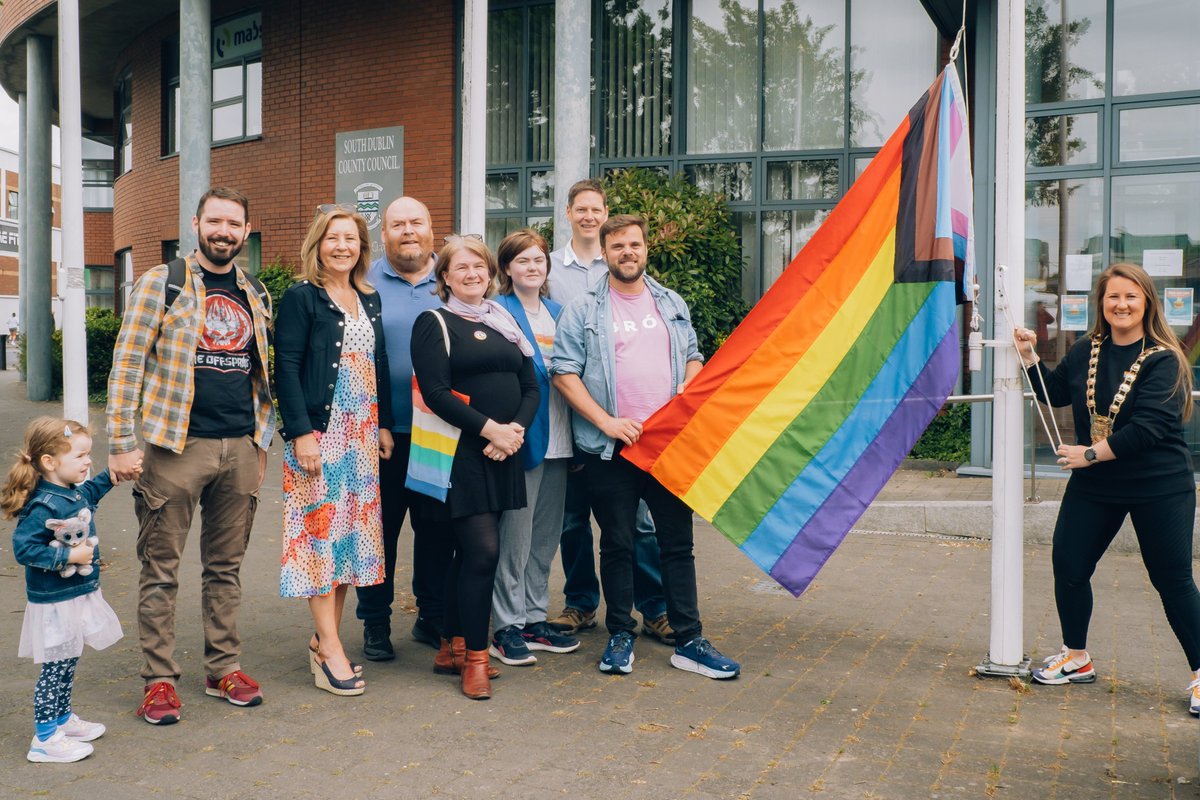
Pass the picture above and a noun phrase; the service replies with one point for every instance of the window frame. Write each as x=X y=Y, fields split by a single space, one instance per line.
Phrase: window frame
x=123 y=163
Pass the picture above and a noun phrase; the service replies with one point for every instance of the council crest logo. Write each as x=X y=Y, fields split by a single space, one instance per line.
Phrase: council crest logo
x=366 y=196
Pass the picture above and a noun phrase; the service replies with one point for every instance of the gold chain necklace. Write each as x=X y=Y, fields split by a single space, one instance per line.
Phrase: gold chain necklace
x=1102 y=426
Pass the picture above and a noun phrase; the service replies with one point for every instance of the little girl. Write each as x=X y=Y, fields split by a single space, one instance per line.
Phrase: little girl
x=49 y=483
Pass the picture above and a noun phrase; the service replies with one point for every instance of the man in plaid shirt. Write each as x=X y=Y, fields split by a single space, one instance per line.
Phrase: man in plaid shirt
x=198 y=371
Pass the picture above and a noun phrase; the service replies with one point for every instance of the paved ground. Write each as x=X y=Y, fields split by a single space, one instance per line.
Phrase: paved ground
x=862 y=688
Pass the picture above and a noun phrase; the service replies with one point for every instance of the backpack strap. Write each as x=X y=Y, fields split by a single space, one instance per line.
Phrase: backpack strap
x=176 y=274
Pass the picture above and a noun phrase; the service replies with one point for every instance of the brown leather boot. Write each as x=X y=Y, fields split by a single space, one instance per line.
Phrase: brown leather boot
x=475 y=682
x=458 y=653
x=443 y=662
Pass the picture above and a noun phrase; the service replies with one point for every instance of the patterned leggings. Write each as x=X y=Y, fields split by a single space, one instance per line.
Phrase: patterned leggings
x=52 y=695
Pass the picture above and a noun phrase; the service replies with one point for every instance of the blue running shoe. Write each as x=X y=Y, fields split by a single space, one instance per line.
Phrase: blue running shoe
x=618 y=655
x=540 y=636
x=701 y=657
x=509 y=646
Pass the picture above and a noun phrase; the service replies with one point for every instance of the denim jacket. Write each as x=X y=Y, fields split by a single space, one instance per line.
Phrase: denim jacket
x=31 y=539
x=583 y=346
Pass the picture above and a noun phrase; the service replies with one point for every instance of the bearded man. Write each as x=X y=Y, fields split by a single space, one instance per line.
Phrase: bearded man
x=193 y=358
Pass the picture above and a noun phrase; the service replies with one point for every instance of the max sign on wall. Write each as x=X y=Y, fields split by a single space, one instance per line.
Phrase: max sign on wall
x=237 y=38
x=369 y=166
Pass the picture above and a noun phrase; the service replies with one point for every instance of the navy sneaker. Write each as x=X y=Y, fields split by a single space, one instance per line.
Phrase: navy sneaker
x=618 y=654
x=540 y=636
x=509 y=646
x=701 y=657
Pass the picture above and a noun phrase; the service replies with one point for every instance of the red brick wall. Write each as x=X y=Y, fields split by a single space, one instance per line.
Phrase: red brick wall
x=97 y=238
x=394 y=66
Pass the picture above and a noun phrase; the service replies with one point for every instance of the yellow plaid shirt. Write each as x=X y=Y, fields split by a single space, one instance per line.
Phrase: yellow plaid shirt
x=153 y=363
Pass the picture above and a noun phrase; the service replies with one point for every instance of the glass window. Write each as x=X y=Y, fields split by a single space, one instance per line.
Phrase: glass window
x=784 y=234
x=893 y=51
x=14 y=204
x=502 y=191
x=250 y=259
x=635 y=75
x=1062 y=140
x=541 y=188
x=804 y=80
x=723 y=94
x=98 y=287
x=540 y=118
x=237 y=101
x=1064 y=50
x=123 y=151
x=1154 y=45
x=734 y=179
x=505 y=88
x=811 y=179
x=1157 y=212
x=1147 y=134
x=170 y=96
x=860 y=165
x=125 y=265
x=496 y=228
x=170 y=250
x=97 y=184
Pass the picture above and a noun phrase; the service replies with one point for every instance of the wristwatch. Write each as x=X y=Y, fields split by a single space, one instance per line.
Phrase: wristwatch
x=1089 y=455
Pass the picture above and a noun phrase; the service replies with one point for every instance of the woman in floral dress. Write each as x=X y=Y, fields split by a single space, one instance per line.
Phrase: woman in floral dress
x=331 y=376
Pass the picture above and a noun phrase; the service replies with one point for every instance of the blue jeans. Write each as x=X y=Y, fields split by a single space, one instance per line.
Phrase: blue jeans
x=582 y=587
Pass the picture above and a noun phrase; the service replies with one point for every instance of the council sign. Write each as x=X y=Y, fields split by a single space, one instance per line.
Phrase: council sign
x=370 y=173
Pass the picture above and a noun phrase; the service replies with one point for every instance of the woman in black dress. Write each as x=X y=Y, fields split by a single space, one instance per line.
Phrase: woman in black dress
x=489 y=363
x=1129 y=386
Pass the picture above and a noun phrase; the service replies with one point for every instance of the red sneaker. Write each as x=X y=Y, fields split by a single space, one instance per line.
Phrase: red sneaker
x=160 y=705
x=237 y=687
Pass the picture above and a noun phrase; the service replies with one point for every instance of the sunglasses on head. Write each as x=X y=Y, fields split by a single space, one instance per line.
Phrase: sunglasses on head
x=329 y=208
x=458 y=237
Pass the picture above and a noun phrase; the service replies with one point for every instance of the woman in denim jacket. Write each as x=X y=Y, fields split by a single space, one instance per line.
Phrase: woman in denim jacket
x=47 y=489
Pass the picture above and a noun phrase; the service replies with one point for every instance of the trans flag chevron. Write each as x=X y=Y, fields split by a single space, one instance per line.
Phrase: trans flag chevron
x=800 y=418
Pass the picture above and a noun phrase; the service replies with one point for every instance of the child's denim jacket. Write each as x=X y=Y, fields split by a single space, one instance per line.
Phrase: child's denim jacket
x=31 y=539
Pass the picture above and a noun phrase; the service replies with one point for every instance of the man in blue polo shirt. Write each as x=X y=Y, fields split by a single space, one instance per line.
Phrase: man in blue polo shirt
x=403 y=276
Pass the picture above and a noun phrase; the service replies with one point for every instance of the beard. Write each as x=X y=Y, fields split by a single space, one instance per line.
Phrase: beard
x=215 y=258
x=627 y=271
x=408 y=258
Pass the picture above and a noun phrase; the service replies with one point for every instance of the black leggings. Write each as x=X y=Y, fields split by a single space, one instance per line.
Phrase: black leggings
x=1083 y=532
x=471 y=576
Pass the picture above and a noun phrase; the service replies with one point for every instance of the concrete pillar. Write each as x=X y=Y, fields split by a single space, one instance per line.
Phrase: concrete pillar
x=572 y=105
x=23 y=170
x=36 y=211
x=474 y=118
x=195 y=112
x=70 y=288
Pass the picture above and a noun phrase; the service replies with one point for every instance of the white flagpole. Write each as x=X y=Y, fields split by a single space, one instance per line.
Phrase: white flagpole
x=70 y=287
x=1005 y=653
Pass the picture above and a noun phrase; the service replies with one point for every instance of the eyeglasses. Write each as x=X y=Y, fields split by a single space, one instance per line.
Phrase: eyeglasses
x=329 y=208
x=458 y=237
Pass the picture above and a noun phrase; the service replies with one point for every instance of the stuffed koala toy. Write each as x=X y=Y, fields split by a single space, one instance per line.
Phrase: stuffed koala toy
x=71 y=532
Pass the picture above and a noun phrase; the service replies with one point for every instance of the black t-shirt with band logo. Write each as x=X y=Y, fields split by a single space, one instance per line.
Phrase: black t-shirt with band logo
x=223 y=405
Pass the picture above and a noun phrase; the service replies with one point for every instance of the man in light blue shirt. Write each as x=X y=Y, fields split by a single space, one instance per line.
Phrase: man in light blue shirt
x=573 y=270
x=404 y=278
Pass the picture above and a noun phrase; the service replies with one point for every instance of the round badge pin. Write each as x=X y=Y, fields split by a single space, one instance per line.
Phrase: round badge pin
x=480 y=335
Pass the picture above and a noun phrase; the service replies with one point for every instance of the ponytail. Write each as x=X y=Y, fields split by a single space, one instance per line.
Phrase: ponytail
x=22 y=478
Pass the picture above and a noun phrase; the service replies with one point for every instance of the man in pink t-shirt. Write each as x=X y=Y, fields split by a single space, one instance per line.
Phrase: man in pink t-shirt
x=622 y=350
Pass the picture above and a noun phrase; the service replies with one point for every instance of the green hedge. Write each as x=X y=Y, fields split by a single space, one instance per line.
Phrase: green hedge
x=948 y=437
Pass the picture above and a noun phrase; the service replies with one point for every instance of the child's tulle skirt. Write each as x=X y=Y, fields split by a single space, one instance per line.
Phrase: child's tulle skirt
x=57 y=631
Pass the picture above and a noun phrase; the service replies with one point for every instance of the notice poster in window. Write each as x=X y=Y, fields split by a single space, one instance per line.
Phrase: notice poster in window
x=1178 y=305
x=1077 y=272
x=1163 y=263
x=1073 y=313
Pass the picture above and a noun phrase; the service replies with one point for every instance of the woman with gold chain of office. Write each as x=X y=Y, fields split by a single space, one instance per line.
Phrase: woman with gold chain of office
x=1129 y=385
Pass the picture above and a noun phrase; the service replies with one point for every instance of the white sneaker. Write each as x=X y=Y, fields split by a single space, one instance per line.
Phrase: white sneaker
x=81 y=730
x=58 y=749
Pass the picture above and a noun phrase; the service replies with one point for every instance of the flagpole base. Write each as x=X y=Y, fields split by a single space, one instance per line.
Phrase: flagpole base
x=990 y=669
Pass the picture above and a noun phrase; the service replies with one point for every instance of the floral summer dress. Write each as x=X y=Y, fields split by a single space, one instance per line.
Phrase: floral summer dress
x=332 y=529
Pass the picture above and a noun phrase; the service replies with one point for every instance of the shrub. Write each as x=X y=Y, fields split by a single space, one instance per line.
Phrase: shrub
x=277 y=277
x=100 y=329
x=948 y=437
x=693 y=248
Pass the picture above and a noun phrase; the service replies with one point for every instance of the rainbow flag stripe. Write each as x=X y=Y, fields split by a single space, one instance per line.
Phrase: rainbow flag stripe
x=800 y=418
